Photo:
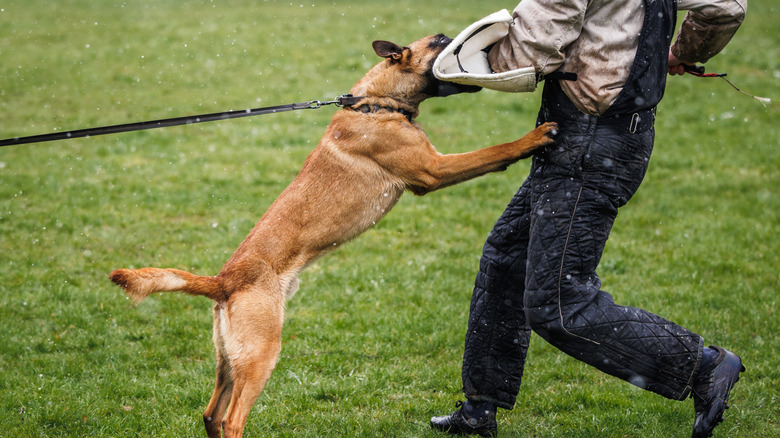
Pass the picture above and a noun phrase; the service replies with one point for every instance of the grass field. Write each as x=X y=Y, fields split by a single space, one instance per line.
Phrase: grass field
x=373 y=339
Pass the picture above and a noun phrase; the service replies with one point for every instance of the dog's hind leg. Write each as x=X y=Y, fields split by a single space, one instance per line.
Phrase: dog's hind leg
x=253 y=342
x=215 y=411
x=223 y=388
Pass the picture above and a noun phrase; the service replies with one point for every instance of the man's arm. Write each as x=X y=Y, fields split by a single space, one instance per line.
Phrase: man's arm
x=556 y=23
x=707 y=28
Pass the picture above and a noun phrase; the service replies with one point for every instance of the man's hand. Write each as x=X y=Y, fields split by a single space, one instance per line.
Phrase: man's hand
x=676 y=66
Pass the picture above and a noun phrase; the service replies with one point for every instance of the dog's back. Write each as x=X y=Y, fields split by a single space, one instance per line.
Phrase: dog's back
x=339 y=193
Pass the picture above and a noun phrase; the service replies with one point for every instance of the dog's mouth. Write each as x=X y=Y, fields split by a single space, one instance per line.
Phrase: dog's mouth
x=444 y=89
x=437 y=87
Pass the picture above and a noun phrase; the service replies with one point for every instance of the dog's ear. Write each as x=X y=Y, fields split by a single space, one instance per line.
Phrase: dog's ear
x=389 y=50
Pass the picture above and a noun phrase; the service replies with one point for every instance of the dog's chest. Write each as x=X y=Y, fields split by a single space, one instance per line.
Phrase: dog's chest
x=377 y=206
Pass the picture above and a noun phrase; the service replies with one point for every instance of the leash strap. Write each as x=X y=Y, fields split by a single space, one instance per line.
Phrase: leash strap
x=698 y=71
x=343 y=100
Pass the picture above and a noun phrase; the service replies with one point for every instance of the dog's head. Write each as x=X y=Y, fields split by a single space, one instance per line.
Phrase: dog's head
x=407 y=72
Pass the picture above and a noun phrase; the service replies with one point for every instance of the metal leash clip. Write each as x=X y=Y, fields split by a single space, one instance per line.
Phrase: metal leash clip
x=312 y=104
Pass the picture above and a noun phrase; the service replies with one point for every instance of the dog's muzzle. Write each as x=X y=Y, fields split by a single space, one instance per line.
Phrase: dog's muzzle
x=444 y=88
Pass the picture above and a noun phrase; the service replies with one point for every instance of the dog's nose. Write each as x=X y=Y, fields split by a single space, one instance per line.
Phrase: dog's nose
x=442 y=40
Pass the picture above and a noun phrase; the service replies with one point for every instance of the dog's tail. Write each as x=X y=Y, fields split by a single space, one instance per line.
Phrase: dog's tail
x=140 y=283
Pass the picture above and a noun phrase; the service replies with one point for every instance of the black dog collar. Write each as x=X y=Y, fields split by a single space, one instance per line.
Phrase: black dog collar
x=376 y=108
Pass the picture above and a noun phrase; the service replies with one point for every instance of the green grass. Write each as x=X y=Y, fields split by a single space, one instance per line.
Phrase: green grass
x=373 y=339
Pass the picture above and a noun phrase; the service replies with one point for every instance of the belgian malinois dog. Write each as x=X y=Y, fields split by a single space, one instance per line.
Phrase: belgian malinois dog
x=371 y=152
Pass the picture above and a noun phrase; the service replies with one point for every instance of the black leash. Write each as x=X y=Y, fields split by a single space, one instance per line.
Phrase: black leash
x=344 y=100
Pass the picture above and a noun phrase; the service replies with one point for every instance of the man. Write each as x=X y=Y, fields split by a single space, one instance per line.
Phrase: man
x=538 y=267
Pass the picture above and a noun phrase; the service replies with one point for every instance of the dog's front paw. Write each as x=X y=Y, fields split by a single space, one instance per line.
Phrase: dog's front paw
x=543 y=135
x=547 y=132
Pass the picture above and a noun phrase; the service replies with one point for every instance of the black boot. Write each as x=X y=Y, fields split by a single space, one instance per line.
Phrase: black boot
x=711 y=391
x=471 y=418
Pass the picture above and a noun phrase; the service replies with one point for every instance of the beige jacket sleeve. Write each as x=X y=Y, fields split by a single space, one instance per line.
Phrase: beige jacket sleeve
x=707 y=28
x=538 y=35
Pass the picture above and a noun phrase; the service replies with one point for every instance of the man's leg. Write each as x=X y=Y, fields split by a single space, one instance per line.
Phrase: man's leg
x=498 y=335
x=572 y=218
x=566 y=306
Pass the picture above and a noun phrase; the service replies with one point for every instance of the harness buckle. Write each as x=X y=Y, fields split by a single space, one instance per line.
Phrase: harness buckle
x=635 y=118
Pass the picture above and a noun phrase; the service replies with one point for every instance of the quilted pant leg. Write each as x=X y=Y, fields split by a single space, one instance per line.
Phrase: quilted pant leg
x=571 y=220
x=498 y=335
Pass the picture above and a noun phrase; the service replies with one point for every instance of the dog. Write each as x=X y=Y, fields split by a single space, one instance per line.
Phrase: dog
x=371 y=152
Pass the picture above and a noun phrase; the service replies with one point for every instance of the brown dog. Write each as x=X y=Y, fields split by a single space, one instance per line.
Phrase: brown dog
x=370 y=154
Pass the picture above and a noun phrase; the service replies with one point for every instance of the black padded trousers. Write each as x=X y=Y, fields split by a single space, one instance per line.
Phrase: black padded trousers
x=538 y=272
